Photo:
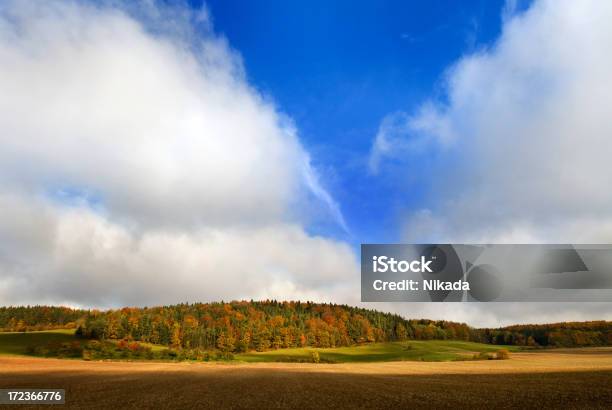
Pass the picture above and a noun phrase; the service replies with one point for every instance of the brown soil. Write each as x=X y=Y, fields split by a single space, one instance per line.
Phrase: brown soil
x=573 y=378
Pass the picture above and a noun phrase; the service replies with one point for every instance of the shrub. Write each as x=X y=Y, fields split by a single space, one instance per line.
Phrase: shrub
x=57 y=349
x=483 y=356
x=121 y=350
x=38 y=350
x=314 y=357
x=72 y=349
x=502 y=354
x=226 y=356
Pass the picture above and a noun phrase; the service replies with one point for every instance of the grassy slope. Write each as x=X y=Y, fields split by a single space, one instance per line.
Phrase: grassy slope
x=15 y=343
x=433 y=350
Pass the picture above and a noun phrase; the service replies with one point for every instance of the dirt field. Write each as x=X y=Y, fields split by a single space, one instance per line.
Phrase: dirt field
x=559 y=379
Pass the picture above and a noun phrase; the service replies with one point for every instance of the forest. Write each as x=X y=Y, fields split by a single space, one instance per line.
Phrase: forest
x=34 y=318
x=564 y=334
x=242 y=326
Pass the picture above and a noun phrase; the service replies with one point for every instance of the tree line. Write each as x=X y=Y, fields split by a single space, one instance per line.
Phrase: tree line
x=241 y=326
x=244 y=326
x=33 y=318
x=564 y=334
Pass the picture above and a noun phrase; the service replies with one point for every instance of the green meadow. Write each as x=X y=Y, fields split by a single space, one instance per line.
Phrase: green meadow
x=15 y=343
x=430 y=351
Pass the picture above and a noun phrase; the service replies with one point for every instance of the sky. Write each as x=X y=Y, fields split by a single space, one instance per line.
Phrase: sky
x=338 y=68
x=158 y=152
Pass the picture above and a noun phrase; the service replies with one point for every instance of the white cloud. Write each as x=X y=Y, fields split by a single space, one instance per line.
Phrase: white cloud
x=165 y=137
x=520 y=149
x=523 y=143
x=75 y=255
x=138 y=166
x=403 y=137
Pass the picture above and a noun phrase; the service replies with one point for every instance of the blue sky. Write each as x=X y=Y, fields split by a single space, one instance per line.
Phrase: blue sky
x=338 y=68
x=132 y=150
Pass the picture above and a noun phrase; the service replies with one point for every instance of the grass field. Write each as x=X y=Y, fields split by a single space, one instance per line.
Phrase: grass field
x=430 y=351
x=15 y=343
x=434 y=350
x=384 y=375
x=577 y=378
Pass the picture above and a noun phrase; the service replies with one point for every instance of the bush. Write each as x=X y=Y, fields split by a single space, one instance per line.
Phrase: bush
x=99 y=350
x=72 y=350
x=314 y=357
x=483 y=356
x=502 y=354
x=38 y=350
x=226 y=356
x=57 y=349
x=122 y=350
x=199 y=355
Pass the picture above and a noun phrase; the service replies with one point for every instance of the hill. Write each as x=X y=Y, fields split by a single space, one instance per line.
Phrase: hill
x=32 y=318
x=422 y=350
x=245 y=326
x=563 y=334
x=18 y=343
x=65 y=344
